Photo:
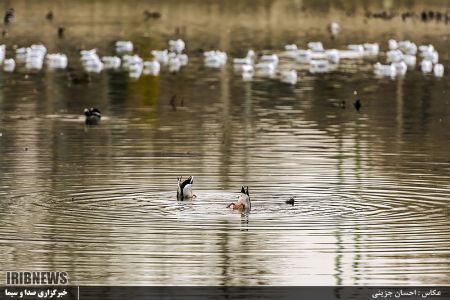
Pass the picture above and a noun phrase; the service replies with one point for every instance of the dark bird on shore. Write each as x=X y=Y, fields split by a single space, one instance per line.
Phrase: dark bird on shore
x=357 y=104
x=156 y=15
x=424 y=16
x=49 y=15
x=61 y=30
x=152 y=15
x=9 y=15
x=291 y=201
x=93 y=116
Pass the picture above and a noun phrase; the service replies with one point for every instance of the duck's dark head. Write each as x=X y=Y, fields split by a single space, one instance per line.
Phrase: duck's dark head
x=95 y=112
x=92 y=112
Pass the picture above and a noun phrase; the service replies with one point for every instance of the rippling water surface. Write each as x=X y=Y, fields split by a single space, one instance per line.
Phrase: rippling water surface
x=371 y=187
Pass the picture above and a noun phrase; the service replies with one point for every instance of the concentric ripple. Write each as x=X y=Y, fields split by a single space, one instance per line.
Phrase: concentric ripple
x=371 y=188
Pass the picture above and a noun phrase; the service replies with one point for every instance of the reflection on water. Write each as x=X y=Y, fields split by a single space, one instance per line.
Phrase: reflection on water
x=371 y=188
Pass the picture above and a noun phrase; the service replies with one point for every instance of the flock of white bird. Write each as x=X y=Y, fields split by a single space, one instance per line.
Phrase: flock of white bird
x=401 y=56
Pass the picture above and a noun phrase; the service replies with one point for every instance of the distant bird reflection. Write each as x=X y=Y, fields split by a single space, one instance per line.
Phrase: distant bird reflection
x=357 y=104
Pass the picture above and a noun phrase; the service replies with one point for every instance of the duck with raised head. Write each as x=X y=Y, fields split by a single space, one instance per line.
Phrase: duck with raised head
x=93 y=116
x=243 y=202
x=184 y=190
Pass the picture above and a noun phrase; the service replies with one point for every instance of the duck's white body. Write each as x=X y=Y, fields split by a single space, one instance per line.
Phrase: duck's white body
x=184 y=190
x=244 y=200
x=243 y=203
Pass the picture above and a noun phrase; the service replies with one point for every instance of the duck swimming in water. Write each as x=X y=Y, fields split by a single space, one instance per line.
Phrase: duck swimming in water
x=93 y=116
x=184 y=190
x=243 y=202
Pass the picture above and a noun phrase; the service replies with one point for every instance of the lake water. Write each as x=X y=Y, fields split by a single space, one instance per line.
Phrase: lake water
x=371 y=187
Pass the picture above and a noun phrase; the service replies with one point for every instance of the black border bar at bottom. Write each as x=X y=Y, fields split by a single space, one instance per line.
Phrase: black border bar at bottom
x=225 y=292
